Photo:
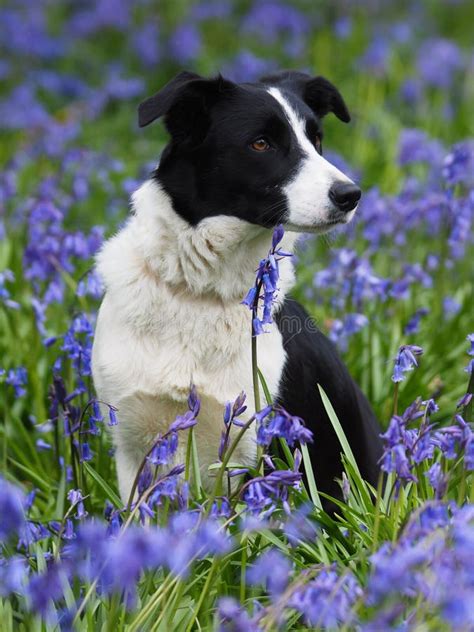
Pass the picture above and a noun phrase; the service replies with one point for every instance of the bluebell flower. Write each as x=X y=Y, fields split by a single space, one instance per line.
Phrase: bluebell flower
x=271 y=20
x=91 y=285
x=185 y=43
x=262 y=493
x=450 y=306
x=458 y=165
x=30 y=533
x=342 y=330
x=76 y=499
x=343 y=27
x=41 y=444
x=246 y=66
x=18 y=379
x=272 y=569
x=145 y=479
x=438 y=61
x=7 y=276
x=413 y=325
x=416 y=146
x=282 y=424
x=326 y=601
x=376 y=57
x=96 y=412
x=405 y=361
x=233 y=617
x=470 y=339
x=13 y=575
x=85 y=452
x=437 y=479
x=43 y=589
x=11 y=509
x=266 y=281
x=146 y=42
x=411 y=90
x=113 y=421
x=464 y=401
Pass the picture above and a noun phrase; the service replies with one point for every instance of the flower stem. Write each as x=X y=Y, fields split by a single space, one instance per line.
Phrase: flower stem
x=225 y=461
x=395 y=398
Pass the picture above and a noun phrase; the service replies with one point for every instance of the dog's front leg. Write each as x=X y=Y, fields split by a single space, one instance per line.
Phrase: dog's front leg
x=128 y=463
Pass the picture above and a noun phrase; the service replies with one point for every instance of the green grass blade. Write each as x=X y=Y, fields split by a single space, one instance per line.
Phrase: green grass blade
x=313 y=490
x=109 y=492
x=336 y=424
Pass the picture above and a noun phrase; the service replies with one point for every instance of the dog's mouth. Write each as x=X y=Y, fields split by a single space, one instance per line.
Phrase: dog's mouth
x=320 y=227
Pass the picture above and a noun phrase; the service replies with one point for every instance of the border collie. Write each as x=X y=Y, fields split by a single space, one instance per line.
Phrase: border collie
x=242 y=158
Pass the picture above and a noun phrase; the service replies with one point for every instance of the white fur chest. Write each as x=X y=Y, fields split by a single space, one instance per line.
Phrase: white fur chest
x=171 y=317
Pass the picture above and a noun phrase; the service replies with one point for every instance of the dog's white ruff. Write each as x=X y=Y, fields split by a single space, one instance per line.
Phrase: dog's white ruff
x=171 y=315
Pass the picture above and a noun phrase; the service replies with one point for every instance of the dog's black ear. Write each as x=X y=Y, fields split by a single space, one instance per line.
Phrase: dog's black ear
x=322 y=97
x=185 y=103
x=160 y=103
x=317 y=92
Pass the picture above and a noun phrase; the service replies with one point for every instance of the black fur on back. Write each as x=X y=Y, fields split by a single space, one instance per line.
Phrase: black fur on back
x=312 y=360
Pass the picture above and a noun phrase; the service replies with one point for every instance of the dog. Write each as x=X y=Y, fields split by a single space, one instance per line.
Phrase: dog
x=242 y=159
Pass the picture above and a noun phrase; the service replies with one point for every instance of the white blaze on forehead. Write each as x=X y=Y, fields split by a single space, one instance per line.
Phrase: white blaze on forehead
x=308 y=191
x=297 y=124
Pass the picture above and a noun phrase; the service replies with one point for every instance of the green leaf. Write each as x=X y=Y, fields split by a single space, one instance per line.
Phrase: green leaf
x=109 y=492
x=336 y=424
x=313 y=490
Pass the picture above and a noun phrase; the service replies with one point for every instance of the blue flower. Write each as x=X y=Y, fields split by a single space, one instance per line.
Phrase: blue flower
x=405 y=361
x=13 y=575
x=185 y=43
x=76 y=499
x=113 y=421
x=233 y=617
x=437 y=479
x=326 y=601
x=272 y=569
x=281 y=424
x=266 y=281
x=18 y=378
x=11 y=509
x=7 y=276
x=438 y=61
x=262 y=493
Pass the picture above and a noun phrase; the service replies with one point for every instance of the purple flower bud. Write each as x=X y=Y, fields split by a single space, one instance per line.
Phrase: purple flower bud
x=437 y=479
x=464 y=401
x=43 y=445
x=277 y=236
x=182 y=422
x=76 y=498
x=96 y=412
x=250 y=297
x=11 y=509
x=113 y=421
x=86 y=453
x=470 y=338
x=194 y=403
x=227 y=412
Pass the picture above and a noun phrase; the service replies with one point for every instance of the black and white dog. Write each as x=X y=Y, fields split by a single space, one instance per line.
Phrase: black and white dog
x=242 y=158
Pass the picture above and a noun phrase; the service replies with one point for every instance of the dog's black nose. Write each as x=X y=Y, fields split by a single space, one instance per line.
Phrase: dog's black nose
x=345 y=195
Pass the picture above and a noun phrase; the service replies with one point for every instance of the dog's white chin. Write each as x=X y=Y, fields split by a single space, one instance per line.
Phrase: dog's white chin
x=320 y=227
x=316 y=229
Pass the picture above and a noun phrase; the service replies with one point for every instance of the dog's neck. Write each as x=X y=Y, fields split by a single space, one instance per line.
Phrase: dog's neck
x=217 y=257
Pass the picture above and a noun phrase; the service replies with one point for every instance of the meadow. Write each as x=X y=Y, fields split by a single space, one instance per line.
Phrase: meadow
x=394 y=291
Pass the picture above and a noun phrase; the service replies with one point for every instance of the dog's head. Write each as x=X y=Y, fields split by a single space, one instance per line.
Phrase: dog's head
x=252 y=150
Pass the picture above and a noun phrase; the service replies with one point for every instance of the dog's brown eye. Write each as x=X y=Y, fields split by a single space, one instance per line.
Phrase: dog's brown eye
x=318 y=144
x=260 y=145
